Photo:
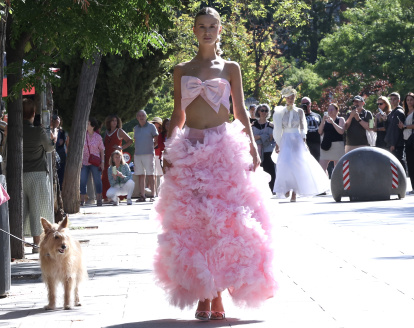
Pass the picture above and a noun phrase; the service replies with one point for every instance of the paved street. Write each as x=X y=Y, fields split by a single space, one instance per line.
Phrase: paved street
x=337 y=265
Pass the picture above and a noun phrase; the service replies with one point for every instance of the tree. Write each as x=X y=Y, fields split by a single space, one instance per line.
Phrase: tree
x=124 y=84
x=375 y=43
x=92 y=28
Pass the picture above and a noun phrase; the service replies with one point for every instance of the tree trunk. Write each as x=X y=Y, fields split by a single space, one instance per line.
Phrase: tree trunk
x=84 y=95
x=15 y=140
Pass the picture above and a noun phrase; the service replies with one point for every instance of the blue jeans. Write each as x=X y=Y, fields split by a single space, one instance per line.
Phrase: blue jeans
x=96 y=175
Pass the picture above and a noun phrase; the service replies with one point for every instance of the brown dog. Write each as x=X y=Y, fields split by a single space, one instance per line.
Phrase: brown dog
x=61 y=262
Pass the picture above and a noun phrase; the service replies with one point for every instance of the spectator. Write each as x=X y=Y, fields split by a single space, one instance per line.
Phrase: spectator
x=36 y=183
x=114 y=136
x=93 y=146
x=394 y=135
x=380 y=121
x=56 y=128
x=332 y=129
x=120 y=178
x=357 y=125
x=252 y=113
x=313 y=138
x=408 y=129
x=145 y=135
x=263 y=134
x=157 y=121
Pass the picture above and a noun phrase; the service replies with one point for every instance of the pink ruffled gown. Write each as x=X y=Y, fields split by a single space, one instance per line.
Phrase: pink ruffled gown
x=216 y=231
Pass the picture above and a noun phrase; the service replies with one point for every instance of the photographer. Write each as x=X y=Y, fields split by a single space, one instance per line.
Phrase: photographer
x=356 y=125
x=313 y=138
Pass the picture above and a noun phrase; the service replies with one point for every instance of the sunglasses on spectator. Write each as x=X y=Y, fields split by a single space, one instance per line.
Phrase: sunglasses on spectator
x=380 y=104
x=264 y=110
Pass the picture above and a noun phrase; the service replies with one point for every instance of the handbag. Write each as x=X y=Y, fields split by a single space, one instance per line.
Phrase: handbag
x=93 y=159
x=326 y=144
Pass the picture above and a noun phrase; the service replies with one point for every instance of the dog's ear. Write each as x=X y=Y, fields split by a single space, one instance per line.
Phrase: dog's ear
x=46 y=224
x=64 y=223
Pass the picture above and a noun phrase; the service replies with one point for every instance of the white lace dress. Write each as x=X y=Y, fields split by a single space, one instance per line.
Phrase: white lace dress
x=296 y=168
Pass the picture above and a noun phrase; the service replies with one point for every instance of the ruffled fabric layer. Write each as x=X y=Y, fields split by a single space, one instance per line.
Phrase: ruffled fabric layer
x=297 y=169
x=216 y=226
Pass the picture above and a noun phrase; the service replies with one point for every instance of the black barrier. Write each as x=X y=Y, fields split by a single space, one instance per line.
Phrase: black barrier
x=368 y=174
x=5 y=273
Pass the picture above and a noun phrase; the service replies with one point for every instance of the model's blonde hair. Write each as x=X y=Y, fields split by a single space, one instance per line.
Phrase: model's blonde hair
x=216 y=15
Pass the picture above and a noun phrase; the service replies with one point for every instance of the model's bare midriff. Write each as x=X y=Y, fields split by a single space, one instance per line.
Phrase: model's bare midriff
x=199 y=115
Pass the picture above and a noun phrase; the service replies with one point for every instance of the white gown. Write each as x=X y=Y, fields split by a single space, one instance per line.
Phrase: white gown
x=296 y=168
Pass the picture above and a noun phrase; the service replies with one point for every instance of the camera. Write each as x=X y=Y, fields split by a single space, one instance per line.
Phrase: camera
x=304 y=107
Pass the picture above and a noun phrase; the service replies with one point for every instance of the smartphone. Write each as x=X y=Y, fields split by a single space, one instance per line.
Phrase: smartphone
x=114 y=171
x=325 y=114
x=381 y=112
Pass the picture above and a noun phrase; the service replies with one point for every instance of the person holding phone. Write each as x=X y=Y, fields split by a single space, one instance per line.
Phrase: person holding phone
x=120 y=179
x=313 y=121
x=332 y=129
x=357 y=125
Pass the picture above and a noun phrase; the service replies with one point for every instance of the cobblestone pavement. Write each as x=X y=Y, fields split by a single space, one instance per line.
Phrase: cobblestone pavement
x=337 y=265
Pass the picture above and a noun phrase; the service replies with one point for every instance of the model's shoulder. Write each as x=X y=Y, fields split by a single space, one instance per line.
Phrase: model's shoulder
x=231 y=66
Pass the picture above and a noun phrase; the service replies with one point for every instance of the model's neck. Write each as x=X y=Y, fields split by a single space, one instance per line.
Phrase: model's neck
x=206 y=54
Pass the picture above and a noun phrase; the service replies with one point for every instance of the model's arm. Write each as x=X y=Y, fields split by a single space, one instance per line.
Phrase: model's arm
x=178 y=115
x=238 y=108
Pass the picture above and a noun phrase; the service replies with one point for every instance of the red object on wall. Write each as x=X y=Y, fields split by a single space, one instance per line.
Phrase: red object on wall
x=25 y=93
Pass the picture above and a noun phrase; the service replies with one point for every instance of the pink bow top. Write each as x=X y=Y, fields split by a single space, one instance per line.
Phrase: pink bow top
x=215 y=91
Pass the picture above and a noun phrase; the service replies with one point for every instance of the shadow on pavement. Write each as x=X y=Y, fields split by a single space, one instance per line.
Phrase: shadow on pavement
x=23 y=313
x=228 y=322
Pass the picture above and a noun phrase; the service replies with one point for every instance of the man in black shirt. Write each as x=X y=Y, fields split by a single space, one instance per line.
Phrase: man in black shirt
x=357 y=125
x=313 y=139
x=394 y=135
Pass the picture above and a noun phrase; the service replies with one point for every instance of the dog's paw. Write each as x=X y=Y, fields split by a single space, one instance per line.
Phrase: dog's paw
x=49 y=307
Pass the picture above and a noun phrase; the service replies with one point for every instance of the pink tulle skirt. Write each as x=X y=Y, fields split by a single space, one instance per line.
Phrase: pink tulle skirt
x=216 y=230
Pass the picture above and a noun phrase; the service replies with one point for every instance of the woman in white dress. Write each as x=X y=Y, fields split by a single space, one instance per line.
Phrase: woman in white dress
x=297 y=169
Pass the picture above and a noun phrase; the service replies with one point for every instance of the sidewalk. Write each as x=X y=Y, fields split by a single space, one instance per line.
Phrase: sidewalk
x=337 y=265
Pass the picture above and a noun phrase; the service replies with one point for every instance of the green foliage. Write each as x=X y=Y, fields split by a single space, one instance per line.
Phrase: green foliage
x=123 y=87
x=64 y=28
x=376 y=43
x=309 y=83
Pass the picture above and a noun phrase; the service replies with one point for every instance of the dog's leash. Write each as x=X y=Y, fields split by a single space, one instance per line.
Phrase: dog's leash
x=33 y=245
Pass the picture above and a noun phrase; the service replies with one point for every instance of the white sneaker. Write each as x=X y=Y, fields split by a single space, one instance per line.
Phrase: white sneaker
x=129 y=202
x=116 y=201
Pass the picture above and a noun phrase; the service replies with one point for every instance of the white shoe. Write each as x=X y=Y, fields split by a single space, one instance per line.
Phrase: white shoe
x=116 y=201
x=129 y=202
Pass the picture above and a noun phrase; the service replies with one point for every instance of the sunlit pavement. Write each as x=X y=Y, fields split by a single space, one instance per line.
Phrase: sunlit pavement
x=337 y=264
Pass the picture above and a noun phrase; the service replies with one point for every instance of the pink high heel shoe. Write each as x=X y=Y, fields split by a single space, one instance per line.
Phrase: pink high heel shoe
x=217 y=315
x=203 y=315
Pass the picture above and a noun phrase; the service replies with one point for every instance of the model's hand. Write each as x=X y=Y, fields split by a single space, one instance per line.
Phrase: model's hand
x=392 y=148
x=401 y=125
x=165 y=165
x=256 y=158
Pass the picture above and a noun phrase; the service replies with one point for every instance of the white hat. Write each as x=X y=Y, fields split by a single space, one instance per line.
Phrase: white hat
x=288 y=91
